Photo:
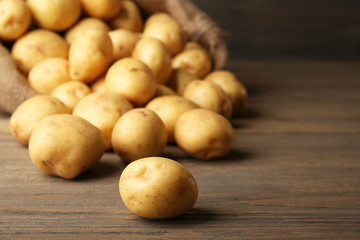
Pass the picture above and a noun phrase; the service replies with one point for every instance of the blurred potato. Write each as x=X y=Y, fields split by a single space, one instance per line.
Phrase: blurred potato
x=179 y=79
x=156 y=56
x=128 y=18
x=90 y=55
x=165 y=28
x=98 y=85
x=103 y=9
x=83 y=25
x=48 y=74
x=55 y=15
x=36 y=46
x=70 y=93
x=124 y=42
x=15 y=19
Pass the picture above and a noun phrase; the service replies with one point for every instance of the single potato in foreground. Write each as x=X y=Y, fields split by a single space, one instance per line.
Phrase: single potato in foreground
x=65 y=145
x=157 y=188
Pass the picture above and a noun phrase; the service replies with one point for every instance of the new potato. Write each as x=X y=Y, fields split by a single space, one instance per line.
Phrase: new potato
x=90 y=55
x=157 y=188
x=55 y=15
x=37 y=45
x=30 y=112
x=15 y=19
x=179 y=79
x=204 y=134
x=128 y=18
x=139 y=133
x=102 y=110
x=47 y=74
x=65 y=145
x=103 y=9
x=124 y=42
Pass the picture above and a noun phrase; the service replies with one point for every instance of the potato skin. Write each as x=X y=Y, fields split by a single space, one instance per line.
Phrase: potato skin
x=204 y=134
x=102 y=110
x=103 y=9
x=128 y=18
x=157 y=188
x=210 y=96
x=169 y=109
x=37 y=45
x=65 y=145
x=156 y=56
x=90 y=55
x=55 y=15
x=124 y=42
x=232 y=87
x=15 y=19
x=30 y=112
x=139 y=133
x=132 y=79
x=179 y=79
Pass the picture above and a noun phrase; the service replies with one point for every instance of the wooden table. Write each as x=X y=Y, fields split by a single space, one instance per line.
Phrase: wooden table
x=293 y=172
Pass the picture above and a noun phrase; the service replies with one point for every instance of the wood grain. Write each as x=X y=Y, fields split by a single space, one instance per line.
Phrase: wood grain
x=293 y=172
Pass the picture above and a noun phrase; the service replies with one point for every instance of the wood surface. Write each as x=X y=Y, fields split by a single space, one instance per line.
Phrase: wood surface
x=293 y=172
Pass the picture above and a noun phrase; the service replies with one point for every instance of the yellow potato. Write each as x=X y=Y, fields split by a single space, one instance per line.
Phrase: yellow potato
x=70 y=93
x=169 y=109
x=102 y=110
x=162 y=90
x=164 y=27
x=98 y=85
x=232 y=87
x=210 y=96
x=90 y=55
x=55 y=15
x=204 y=134
x=103 y=9
x=30 y=112
x=139 y=133
x=128 y=18
x=38 y=45
x=179 y=79
x=124 y=42
x=156 y=56
x=157 y=188
x=132 y=79
x=65 y=145
x=15 y=19
x=46 y=75
x=195 y=60
x=193 y=45
x=83 y=25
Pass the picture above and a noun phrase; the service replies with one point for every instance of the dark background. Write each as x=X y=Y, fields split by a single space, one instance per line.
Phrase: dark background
x=317 y=29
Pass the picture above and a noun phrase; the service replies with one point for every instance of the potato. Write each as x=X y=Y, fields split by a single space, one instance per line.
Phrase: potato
x=164 y=27
x=156 y=56
x=210 y=96
x=169 y=109
x=193 y=45
x=15 y=19
x=83 y=25
x=162 y=90
x=195 y=60
x=124 y=42
x=102 y=110
x=179 y=79
x=204 y=134
x=132 y=79
x=98 y=85
x=103 y=9
x=70 y=93
x=90 y=55
x=139 y=133
x=38 y=45
x=128 y=18
x=46 y=75
x=157 y=188
x=232 y=87
x=65 y=145
x=55 y=15
x=30 y=112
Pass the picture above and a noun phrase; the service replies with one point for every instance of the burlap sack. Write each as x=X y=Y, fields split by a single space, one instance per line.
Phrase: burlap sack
x=197 y=25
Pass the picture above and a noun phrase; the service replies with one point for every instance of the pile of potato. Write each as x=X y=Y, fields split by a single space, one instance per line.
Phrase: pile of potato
x=108 y=78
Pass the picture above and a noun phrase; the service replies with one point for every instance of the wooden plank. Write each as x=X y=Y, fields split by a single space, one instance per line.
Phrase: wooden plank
x=293 y=172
